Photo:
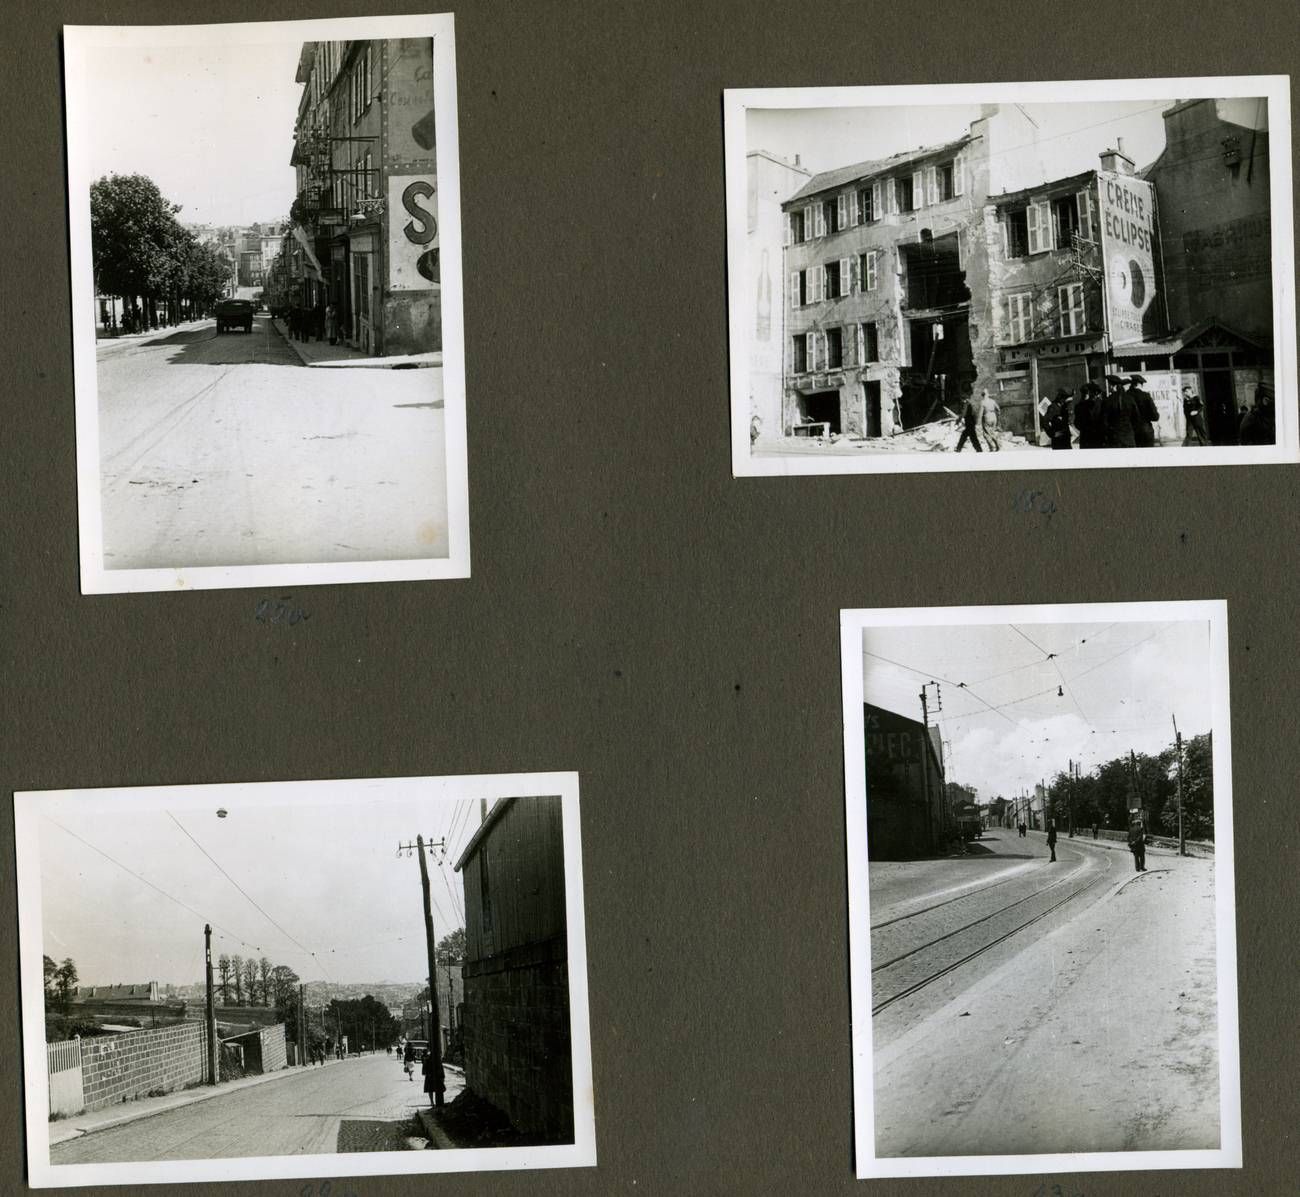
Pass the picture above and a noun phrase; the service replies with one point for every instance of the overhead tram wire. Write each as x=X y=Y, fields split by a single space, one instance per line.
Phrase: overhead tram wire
x=250 y=899
x=962 y=686
x=157 y=889
x=1055 y=665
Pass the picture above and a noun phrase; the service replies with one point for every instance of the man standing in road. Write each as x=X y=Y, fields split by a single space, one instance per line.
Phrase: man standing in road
x=1137 y=844
x=1146 y=415
x=1194 y=415
x=1051 y=840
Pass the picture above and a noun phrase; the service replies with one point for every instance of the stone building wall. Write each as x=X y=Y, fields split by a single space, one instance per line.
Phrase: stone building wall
x=120 y=1067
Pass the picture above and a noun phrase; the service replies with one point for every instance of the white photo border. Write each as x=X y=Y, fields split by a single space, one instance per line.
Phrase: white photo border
x=852 y=625
x=95 y=577
x=1275 y=88
x=32 y=806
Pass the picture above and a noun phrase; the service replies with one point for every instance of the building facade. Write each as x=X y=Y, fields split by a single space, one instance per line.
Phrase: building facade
x=364 y=225
x=516 y=1009
x=907 y=814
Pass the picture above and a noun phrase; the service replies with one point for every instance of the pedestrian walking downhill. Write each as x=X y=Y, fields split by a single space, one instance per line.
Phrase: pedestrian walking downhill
x=408 y=1060
x=435 y=1081
x=1051 y=840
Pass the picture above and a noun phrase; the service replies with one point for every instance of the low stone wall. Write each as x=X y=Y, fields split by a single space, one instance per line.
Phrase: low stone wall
x=119 y=1067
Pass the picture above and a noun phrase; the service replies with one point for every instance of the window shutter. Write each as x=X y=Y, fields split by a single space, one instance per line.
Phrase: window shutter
x=862 y=344
x=845 y=282
x=809 y=231
x=1035 y=231
x=871 y=270
x=819 y=214
x=932 y=185
x=1084 y=200
x=812 y=351
x=1063 y=303
x=918 y=189
x=891 y=196
x=875 y=201
x=958 y=171
x=794 y=289
x=842 y=210
x=855 y=208
x=787 y=228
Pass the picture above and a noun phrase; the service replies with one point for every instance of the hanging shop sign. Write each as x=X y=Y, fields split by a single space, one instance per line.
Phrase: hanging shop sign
x=413 y=233
x=1127 y=209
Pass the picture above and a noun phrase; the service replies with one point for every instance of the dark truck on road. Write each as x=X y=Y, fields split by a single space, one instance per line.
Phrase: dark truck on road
x=235 y=313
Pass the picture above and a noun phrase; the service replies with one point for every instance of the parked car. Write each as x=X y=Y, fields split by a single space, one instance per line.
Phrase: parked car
x=235 y=313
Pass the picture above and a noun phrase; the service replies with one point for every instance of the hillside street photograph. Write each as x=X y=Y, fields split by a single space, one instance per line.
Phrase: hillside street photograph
x=1041 y=888
x=409 y=997
x=1010 y=276
x=264 y=225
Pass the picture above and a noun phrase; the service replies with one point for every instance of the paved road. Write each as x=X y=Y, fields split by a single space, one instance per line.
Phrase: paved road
x=225 y=450
x=361 y=1104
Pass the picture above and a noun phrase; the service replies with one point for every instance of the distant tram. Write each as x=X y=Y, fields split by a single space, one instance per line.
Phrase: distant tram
x=969 y=823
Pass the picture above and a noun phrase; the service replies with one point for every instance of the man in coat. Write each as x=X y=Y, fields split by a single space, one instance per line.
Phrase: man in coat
x=1118 y=415
x=970 y=418
x=1194 y=415
x=1258 y=427
x=1056 y=420
x=1051 y=840
x=1087 y=417
x=1146 y=414
x=1137 y=844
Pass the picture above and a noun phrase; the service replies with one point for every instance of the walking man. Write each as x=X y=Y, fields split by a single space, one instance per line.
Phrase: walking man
x=1119 y=415
x=1137 y=844
x=1056 y=420
x=1051 y=840
x=970 y=417
x=989 y=413
x=1194 y=415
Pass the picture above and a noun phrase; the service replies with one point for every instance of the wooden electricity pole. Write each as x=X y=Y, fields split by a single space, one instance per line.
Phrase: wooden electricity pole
x=435 y=1030
x=1178 y=741
x=213 y=1058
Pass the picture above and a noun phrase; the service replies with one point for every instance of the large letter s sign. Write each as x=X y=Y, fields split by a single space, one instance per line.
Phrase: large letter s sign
x=422 y=228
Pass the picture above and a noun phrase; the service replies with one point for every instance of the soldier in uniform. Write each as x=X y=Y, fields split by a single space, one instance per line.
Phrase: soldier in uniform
x=1056 y=420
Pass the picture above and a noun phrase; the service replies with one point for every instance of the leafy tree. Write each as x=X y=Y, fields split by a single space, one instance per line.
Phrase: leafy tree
x=250 y=982
x=451 y=948
x=264 y=973
x=1198 y=790
x=133 y=235
x=51 y=969
x=237 y=976
x=365 y=1021
x=65 y=981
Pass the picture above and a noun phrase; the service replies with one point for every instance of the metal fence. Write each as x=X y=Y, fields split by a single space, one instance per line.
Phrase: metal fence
x=64 y=1060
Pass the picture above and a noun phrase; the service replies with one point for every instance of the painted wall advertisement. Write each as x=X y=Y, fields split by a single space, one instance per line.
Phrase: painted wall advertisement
x=412 y=233
x=1127 y=209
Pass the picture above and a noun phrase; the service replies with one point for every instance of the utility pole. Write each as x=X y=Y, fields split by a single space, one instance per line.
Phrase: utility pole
x=302 y=1028
x=925 y=771
x=213 y=1059
x=435 y=1031
x=1178 y=741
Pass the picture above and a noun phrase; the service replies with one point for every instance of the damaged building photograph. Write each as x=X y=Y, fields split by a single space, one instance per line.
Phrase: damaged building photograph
x=1020 y=274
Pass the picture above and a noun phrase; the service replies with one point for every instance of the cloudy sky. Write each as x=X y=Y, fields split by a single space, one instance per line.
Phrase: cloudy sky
x=212 y=125
x=1069 y=136
x=1120 y=683
x=347 y=907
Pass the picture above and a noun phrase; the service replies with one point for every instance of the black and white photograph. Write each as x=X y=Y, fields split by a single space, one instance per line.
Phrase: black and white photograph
x=266 y=283
x=1000 y=276
x=327 y=978
x=1041 y=904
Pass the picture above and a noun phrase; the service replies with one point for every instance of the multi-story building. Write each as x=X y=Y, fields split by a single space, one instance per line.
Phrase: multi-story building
x=365 y=221
x=912 y=280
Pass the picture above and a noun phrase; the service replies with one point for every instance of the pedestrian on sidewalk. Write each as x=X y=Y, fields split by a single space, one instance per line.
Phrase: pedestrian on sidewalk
x=1145 y=413
x=332 y=324
x=1194 y=415
x=1094 y=829
x=1020 y=827
x=1051 y=840
x=408 y=1061
x=435 y=1082
x=1056 y=420
x=1137 y=844
x=970 y=418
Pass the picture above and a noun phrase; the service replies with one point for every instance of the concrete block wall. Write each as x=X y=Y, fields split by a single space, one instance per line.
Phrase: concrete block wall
x=120 y=1067
x=274 y=1055
x=517 y=1049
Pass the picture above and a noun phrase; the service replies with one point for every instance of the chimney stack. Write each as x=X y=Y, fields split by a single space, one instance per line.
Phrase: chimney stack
x=1116 y=161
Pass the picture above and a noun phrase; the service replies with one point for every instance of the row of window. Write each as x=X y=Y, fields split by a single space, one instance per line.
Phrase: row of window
x=835 y=280
x=830 y=349
x=1048 y=224
x=873 y=201
x=1022 y=321
x=355 y=183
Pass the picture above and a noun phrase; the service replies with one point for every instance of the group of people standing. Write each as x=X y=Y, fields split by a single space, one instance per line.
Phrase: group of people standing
x=319 y=322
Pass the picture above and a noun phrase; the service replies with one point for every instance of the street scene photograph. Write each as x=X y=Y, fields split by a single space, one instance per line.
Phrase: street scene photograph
x=268 y=344
x=999 y=277
x=303 y=979
x=1041 y=888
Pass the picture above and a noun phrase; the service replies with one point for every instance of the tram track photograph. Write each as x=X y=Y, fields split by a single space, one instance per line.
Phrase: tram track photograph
x=1038 y=807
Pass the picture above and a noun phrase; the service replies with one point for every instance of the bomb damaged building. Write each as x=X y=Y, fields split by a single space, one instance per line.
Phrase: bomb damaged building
x=914 y=280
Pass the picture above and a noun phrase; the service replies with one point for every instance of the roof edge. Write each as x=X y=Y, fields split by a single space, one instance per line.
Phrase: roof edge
x=494 y=816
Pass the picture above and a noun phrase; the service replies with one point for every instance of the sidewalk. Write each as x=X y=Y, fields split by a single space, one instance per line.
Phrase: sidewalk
x=1100 y=1036
x=1157 y=845
x=132 y=1111
x=322 y=353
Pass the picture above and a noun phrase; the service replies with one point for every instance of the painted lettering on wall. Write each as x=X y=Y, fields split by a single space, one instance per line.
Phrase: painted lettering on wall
x=1127 y=209
x=413 y=232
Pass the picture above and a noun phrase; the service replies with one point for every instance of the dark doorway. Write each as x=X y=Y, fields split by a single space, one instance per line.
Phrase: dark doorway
x=823 y=407
x=873 y=408
x=942 y=365
x=1220 y=406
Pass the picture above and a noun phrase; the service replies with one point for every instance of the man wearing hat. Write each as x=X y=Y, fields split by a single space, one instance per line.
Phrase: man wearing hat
x=1259 y=426
x=1056 y=420
x=1118 y=415
x=1087 y=417
x=1146 y=414
x=1194 y=415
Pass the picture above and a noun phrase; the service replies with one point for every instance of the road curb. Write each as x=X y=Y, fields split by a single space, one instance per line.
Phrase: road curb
x=207 y=1094
x=437 y=1136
